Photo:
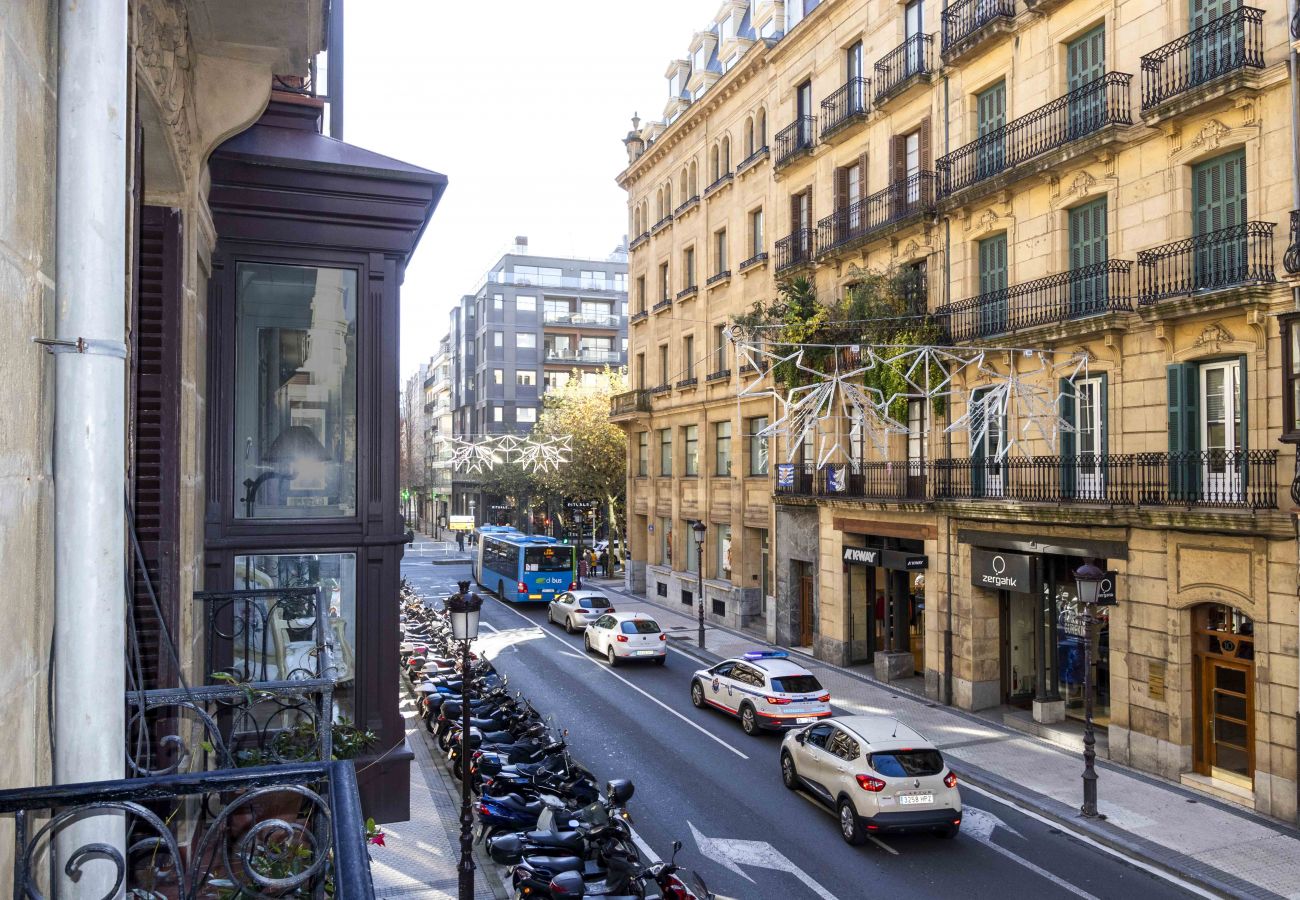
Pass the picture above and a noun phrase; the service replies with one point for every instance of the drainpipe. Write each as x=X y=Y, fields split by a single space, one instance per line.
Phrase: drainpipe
x=334 y=74
x=89 y=420
x=947 y=294
x=1293 y=66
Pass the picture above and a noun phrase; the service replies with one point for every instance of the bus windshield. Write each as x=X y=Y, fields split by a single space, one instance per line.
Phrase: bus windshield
x=548 y=559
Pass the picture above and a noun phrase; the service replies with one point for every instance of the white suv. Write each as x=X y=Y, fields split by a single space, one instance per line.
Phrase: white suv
x=876 y=773
x=764 y=689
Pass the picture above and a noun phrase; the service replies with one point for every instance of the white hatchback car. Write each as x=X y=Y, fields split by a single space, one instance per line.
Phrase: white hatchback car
x=876 y=773
x=575 y=610
x=764 y=689
x=624 y=636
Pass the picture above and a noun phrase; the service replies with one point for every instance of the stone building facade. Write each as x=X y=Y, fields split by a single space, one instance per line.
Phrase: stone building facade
x=1099 y=198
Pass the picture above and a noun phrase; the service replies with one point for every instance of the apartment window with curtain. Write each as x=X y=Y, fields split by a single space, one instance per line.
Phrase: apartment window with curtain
x=722 y=448
x=757 y=445
x=666 y=452
x=691 y=449
x=643 y=454
x=525 y=415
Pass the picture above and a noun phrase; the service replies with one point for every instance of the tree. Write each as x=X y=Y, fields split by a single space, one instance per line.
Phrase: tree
x=517 y=487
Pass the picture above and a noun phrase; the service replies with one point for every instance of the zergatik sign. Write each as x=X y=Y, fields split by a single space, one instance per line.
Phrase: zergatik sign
x=996 y=571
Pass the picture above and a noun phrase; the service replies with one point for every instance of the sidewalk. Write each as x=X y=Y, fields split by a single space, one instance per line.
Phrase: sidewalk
x=439 y=553
x=1226 y=850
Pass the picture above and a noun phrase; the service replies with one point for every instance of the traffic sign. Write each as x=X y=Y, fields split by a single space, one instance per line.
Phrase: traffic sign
x=581 y=504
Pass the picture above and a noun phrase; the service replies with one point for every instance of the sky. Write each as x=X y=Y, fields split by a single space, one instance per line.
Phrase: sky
x=523 y=105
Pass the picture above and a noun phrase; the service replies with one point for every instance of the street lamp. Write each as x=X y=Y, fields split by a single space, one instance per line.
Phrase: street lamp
x=1087 y=581
x=463 y=610
x=699 y=528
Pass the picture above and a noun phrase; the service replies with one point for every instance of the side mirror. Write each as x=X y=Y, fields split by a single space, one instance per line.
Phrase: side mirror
x=801 y=736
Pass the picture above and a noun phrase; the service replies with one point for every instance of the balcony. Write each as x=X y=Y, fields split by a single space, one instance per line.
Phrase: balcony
x=846 y=107
x=968 y=23
x=793 y=141
x=794 y=250
x=639 y=317
x=897 y=205
x=722 y=181
x=911 y=62
x=639 y=241
x=1291 y=260
x=661 y=388
x=1087 y=291
x=584 y=356
x=756 y=259
x=718 y=278
x=1230 y=257
x=569 y=282
x=753 y=159
x=686 y=207
x=687 y=383
x=688 y=292
x=1181 y=69
x=719 y=375
x=581 y=320
x=1080 y=113
x=661 y=224
x=1213 y=479
x=629 y=403
x=665 y=303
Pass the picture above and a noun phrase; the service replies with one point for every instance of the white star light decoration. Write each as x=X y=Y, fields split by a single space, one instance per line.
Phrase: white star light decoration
x=489 y=451
x=813 y=410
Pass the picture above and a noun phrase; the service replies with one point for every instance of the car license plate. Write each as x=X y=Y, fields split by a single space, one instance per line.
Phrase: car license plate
x=804 y=720
x=915 y=799
x=645 y=653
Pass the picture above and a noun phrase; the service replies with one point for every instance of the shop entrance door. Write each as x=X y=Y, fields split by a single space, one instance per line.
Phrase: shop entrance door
x=1018 y=663
x=805 y=604
x=1225 y=705
x=864 y=624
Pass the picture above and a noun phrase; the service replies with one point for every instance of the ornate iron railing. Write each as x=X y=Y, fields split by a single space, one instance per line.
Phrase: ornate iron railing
x=718 y=375
x=293 y=830
x=687 y=382
x=1231 y=42
x=661 y=224
x=794 y=139
x=639 y=241
x=850 y=101
x=717 y=277
x=1078 y=114
x=267 y=634
x=629 y=402
x=963 y=20
x=910 y=59
x=1086 y=291
x=1240 y=254
x=722 y=180
x=902 y=200
x=1291 y=259
x=1217 y=479
x=761 y=153
x=690 y=203
x=661 y=388
x=665 y=303
x=689 y=291
x=639 y=316
x=795 y=249
x=754 y=260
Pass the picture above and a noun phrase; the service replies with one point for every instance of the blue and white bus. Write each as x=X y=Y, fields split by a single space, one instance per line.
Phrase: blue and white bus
x=522 y=567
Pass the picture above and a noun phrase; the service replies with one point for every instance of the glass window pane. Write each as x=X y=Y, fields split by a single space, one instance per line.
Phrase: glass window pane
x=295 y=392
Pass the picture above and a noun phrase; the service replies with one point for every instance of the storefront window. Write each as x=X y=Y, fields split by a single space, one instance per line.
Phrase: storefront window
x=295 y=392
x=1071 y=632
x=291 y=644
x=722 y=534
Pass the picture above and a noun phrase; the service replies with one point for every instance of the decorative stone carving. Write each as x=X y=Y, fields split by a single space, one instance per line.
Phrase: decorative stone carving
x=1210 y=135
x=1213 y=335
x=1082 y=183
x=164 y=56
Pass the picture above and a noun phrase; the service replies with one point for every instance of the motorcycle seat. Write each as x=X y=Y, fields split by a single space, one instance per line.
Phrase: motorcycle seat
x=554 y=864
x=569 y=839
x=515 y=802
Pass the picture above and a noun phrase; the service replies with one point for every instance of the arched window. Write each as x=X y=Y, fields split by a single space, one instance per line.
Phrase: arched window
x=668 y=199
x=636 y=221
x=714 y=171
x=693 y=182
x=659 y=204
x=726 y=155
x=684 y=185
x=749 y=137
x=760 y=129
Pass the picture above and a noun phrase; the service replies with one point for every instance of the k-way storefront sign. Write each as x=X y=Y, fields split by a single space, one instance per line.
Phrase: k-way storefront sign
x=997 y=571
x=885 y=559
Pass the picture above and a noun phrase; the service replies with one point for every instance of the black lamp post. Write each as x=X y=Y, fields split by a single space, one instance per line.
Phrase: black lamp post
x=1087 y=580
x=699 y=528
x=463 y=609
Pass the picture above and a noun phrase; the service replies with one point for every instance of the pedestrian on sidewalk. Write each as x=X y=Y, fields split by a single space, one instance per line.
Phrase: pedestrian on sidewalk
x=602 y=563
x=460 y=541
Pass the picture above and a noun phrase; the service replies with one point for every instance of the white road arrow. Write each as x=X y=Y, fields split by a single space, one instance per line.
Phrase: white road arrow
x=733 y=854
x=980 y=825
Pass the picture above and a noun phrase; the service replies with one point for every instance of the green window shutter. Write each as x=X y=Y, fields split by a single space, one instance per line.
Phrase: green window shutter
x=991 y=108
x=1088 y=248
x=993 y=280
x=1086 y=57
x=1200 y=12
x=1219 y=202
x=1069 y=445
x=1183 y=387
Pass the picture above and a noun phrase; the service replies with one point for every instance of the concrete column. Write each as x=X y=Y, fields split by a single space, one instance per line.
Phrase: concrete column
x=89 y=431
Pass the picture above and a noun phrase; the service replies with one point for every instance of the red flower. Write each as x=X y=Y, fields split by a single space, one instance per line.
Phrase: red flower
x=376 y=838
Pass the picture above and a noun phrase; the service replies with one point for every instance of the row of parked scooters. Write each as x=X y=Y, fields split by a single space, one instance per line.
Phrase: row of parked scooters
x=541 y=814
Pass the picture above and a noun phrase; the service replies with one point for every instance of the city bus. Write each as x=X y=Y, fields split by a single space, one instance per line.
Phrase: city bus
x=523 y=568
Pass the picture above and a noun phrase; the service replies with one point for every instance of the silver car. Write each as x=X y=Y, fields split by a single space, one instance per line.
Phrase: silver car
x=876 y=773
x=575 y=610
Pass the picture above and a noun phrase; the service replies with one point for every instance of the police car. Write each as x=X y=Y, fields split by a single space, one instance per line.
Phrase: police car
x=764 y=690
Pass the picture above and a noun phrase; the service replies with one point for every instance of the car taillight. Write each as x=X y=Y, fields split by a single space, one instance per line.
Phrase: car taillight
x=621 y=638
x=662 y=636
x=950 y=779
x=573 y=585
x=610 y=610
x=867 y=783
x=779 y=701
x=523 y=588
x=824 y=698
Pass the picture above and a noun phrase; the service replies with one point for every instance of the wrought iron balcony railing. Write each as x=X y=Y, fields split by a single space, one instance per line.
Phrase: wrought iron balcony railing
x=794 y=250
x=687 y=383
x=686 y=207
x=665 y=303
x=913 y=58
x=754 y=260
x=753 y=159
x=793 y=140
x=1216 y=479
x=1231 y=42
x=582 y=320
x=689 y=291
x=717 y=277
x=1076 y=115
x=1239 y=255
x=964 y=20
x=718 y=375
x=639 y=241
x=661 y=224
x=268 y=634
x=901 y=201
x=1291 y=259
x=629 y=402
x=1086 y=291
x=639 y=316
x=847 y=104
x=719 y=183
x=661 y=388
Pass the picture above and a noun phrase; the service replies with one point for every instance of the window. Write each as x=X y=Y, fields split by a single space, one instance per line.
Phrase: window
x=525 y=415
x=496 y=414
x=620 y=282
x=756 y=232
x=664 y=374
x=663 y=282
x=498 y=302
x=526 y=340
x=498 y=339
x=991 y=436
x=757 y=445
x=665 y=529
x=1083 y=450
x=688 y=267
x=691 y=449
x=640 y=293
x=554 y=381
x=992 y=253
x=593 y=280
x=640 y=372
x=526 y=303
x=643 y=454
x=722 y=448
x=526 y=379
x=498 y=376
x=720 y=251
x=1290 y=377
x=1088 y=249
x=692 y=548
x=666 y=452
x=719 y=348
x=852 y=70
x=296 y=433
x=597 y=309
x=688 y=356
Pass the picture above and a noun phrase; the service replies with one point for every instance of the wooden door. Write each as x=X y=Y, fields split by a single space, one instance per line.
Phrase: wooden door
x=805 y=606
x=1227 y=720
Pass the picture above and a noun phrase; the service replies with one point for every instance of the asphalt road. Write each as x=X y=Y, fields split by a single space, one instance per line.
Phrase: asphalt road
x=701 y=780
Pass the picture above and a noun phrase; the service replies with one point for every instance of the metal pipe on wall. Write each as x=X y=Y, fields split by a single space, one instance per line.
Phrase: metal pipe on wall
x=1293 y=66
x=89 y=419
x=334 y=73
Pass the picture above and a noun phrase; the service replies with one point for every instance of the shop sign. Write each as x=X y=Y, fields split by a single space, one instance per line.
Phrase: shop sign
x=885 y=559
x=997 y=571
x=861 y=556
x=1108 y=595
x=785 y=475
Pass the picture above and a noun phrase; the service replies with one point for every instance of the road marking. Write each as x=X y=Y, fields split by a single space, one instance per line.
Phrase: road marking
x=980 y=825
x=733 y=854
x=871 y=837
x=881 y=844
x=1097 y=845
x=651 y=698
